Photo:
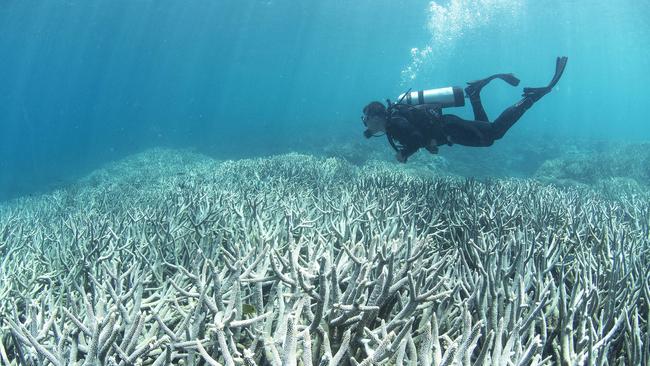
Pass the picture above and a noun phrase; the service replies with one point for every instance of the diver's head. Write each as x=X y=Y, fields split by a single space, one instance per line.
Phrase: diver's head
x=374 y=118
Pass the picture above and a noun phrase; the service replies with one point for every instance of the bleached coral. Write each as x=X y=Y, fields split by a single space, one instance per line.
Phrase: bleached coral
x=297 y=260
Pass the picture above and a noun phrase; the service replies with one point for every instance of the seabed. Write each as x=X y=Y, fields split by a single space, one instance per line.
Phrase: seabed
x=170 y=257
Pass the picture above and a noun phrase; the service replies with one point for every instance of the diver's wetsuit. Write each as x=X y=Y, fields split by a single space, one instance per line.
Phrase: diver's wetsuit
x=482 y=132
x=413 y=127
x=410 y=128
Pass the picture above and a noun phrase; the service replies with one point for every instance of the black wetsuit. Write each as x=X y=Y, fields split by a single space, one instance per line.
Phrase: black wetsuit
x=413 y=127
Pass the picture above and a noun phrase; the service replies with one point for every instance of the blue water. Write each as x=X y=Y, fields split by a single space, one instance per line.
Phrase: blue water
x=86 y=82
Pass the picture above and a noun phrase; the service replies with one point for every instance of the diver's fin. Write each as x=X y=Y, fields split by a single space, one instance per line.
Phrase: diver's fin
x=474 y=87
x=538 y=93
x=510 y=79
x=560 y=64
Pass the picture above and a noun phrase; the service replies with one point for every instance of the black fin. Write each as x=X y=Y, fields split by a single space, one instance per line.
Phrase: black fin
x=537 y=93
x=510 y=79
x=560 y=64
x=474 y=87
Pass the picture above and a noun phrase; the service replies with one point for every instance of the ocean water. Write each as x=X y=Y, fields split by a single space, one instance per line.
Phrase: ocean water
x=187 y=182
x=84 y=83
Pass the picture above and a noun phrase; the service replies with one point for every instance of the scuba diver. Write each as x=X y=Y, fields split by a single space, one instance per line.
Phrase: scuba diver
x=416 y=120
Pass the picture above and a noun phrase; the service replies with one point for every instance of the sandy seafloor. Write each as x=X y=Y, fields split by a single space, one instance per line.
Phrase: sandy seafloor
x=171 y=257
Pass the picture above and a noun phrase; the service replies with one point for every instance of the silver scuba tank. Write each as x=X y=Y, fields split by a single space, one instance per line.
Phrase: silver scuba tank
x=452 y=96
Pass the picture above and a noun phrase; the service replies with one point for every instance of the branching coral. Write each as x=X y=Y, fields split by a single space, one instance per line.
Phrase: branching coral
x=300 y=261
x=614 y=171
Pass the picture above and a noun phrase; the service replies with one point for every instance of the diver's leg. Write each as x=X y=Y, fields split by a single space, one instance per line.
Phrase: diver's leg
x=477 y=107
x=482 y=133
x=531 y=95
x=473 y=92
x=508 y=118
x=467 y=133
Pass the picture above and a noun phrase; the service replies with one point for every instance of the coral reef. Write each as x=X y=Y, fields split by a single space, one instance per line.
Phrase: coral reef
x=507 y=158
x=298 y=260
x=624 y=169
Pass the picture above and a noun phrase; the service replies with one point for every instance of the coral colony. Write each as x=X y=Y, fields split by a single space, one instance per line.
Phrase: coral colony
x=297 y=260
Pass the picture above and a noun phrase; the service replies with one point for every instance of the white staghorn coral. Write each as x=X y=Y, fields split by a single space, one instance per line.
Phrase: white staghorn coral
x=297 y=260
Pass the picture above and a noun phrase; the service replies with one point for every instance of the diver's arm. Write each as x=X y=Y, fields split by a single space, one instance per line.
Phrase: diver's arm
x=408 y=135
x=408 y=151
x=412 y=147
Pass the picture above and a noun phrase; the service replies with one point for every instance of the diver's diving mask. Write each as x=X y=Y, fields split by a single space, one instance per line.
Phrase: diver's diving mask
x=368 y=133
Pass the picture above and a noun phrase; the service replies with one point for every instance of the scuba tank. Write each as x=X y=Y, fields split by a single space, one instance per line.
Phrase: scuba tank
x=452 y=96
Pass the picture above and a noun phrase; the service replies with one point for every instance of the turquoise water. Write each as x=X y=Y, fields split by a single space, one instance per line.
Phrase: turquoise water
x=134 y=228
x=83 y=83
